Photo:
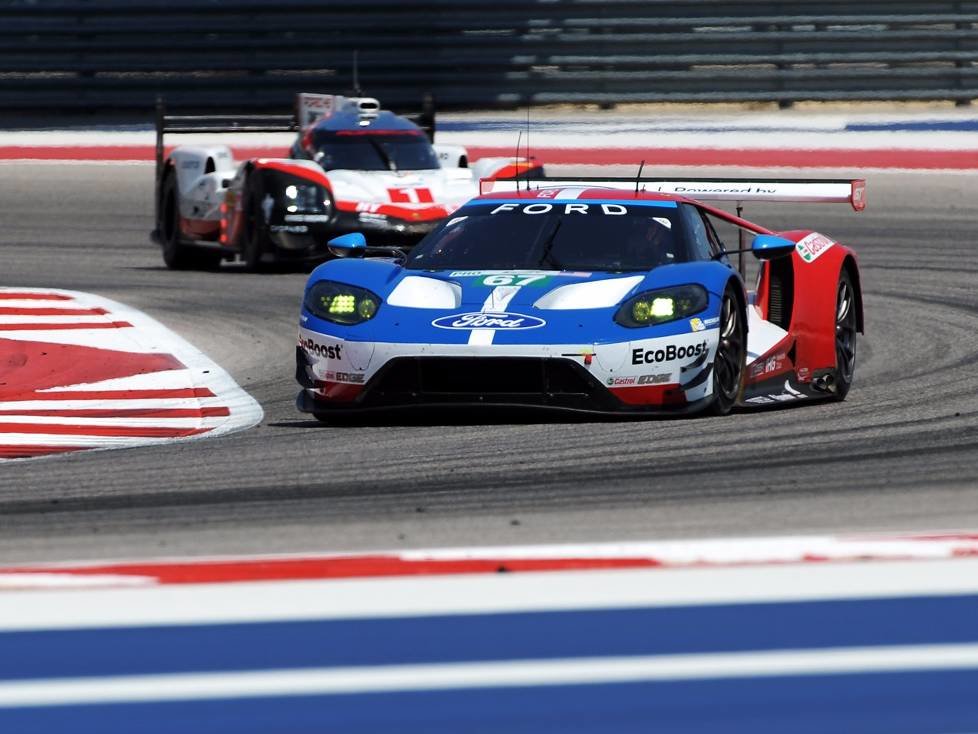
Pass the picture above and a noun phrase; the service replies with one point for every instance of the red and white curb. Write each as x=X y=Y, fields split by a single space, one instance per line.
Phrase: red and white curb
x=79 y=371
x=675 y=555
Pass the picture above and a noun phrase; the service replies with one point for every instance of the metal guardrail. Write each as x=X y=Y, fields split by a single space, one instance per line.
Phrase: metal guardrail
x=116 y=57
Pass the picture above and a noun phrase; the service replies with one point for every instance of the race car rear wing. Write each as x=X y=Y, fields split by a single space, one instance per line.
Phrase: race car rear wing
x=739 y=190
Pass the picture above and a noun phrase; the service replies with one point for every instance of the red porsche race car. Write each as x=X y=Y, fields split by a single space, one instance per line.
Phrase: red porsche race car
x=353 y=167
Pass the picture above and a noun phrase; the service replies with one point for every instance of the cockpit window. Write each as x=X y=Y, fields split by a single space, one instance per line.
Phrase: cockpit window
x=396 y=150
x=554 y=235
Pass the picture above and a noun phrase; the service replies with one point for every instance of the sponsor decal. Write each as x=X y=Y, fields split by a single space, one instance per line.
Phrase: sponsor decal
x=615 y=210
x=667 y=353
x=697 y=324
x=307 y=217
x=480 y=320
x=190 y=165
x=355 y=377
x=712 y=322
x=804 y=374
x=330 y=351
x=774 y=363
x=621 y=381
x=660 y=379
x=750 y=189
x=289 y=228
x=812 y=246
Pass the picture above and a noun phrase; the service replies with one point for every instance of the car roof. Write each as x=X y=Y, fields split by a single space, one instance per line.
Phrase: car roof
x=350 y=119
x=582 y=193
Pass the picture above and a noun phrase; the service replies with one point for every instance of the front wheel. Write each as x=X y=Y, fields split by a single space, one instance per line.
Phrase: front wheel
x=731 y=357
x=845 y=335
x=256 y=240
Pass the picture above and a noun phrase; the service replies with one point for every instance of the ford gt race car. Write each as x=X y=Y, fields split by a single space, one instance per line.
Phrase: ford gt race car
x=353 y=167
x=612 y=296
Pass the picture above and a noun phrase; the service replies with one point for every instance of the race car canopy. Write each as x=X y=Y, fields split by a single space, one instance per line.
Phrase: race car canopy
x=816 y=191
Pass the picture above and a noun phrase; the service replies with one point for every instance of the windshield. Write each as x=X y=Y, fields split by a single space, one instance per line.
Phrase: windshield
x=559 y=235
x=401 y=150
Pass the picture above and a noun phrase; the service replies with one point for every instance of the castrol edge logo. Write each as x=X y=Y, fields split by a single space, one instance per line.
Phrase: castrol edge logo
x=480 y=320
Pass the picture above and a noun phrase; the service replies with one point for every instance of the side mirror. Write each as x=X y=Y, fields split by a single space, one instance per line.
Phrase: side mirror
x=353 y=244
x=769 y=247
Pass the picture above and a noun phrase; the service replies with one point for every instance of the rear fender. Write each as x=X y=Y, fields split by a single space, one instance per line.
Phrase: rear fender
x=451 y=156
x=489 y=168
x=816 y=265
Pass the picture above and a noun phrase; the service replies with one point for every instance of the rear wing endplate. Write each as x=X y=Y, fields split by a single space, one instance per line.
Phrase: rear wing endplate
x=739 y=190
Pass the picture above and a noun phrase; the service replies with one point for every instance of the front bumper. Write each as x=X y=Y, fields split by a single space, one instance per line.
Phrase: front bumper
x=552 y=383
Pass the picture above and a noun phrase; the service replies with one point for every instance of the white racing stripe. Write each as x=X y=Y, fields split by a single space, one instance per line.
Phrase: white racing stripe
x=447 y=676
x=497 y=302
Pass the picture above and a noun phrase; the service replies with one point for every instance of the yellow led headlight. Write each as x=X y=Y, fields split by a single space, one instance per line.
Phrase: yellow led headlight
x=661 y=306
x=341 y=303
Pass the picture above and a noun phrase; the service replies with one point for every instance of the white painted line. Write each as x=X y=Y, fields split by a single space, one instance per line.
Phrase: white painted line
x=449 y=676
x=153 y=403
x=412 y=596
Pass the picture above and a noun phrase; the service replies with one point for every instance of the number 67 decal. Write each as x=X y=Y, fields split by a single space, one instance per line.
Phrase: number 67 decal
x=520 y=280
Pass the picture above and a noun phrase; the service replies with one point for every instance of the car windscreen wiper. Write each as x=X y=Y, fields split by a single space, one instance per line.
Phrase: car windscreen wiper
x=547 y=255
x=384 y=155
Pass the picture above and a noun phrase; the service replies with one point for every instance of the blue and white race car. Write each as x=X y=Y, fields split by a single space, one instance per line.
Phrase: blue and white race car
x=606 y=296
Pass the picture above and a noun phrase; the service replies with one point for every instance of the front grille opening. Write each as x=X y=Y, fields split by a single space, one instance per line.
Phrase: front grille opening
x=540 y=381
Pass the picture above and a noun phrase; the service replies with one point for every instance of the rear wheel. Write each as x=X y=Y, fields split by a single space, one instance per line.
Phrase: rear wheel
x=845 y=335
x=728 y=365
x=177 y=255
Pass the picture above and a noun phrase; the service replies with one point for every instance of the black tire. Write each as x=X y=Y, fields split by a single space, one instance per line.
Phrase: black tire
x=256 y=241
x=731 y=356
x=845 y=335
x=177 y=255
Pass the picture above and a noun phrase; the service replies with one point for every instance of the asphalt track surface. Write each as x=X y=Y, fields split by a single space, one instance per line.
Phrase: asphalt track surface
x=900 y=453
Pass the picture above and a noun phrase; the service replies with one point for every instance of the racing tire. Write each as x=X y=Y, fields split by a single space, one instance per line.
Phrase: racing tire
x=730 y=361
x=177 y=255
x=845 y=335
x=256 y=241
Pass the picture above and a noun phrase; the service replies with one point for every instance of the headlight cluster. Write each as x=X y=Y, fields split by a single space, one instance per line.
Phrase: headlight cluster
x=661 y=306
x=307 y=198
x=340 y=303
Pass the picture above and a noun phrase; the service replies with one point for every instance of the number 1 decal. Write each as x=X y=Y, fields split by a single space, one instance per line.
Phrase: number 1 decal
x=409 y=195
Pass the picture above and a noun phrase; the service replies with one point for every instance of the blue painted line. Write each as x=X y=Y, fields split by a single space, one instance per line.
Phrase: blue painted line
x=915 y=126
x=894 y=703
x=488 y=637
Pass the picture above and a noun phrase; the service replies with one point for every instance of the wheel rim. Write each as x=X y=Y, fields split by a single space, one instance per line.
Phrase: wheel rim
x=730 y=350
x=845 y=331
